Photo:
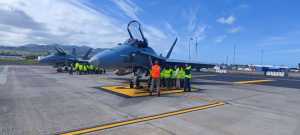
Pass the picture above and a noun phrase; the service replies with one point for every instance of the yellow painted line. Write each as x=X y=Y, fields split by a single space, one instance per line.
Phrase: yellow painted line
x=253 y=81
x=142 y=119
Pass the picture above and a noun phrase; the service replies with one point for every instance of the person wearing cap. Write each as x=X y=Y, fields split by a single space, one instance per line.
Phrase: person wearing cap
x=155 y=75
x=188 y=77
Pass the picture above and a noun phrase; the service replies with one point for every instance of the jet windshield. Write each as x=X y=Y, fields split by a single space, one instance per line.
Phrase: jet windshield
x=136 y=34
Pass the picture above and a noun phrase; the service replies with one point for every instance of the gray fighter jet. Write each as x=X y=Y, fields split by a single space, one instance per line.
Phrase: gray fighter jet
x=61 y=58
x=135 y=55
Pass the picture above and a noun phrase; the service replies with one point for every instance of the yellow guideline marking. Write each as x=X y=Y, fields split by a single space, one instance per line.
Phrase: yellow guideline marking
x=253 y=81
x=142 y=119
x=131 y=92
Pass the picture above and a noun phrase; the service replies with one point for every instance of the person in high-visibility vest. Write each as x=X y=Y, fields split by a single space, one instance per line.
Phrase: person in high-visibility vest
x=155 y=75
x=77 y=67
x=80 y=68
x=181 y=76
x=167 y=76
x=91 y=68
x=188 y=77
x=150 y=78
x=71 y=69
x=162 y=77
x=84 y=68
x=177 y=78
x=173 y=76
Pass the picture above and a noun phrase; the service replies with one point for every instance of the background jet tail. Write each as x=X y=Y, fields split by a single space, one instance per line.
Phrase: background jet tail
x=74 y=52
x=86 y=56
x=171 y=49
x=60 y=50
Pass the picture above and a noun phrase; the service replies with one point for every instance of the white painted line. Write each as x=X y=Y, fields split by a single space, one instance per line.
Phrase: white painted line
x=3 y=75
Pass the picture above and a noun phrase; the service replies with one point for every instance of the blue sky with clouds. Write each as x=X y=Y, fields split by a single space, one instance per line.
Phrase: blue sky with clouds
x=217 y=25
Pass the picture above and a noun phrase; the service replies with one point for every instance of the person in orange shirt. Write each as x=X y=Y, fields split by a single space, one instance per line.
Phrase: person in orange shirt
x=155 y=75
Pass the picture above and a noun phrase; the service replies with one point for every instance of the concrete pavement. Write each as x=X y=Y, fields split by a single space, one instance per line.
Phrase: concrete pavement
x=36 y=100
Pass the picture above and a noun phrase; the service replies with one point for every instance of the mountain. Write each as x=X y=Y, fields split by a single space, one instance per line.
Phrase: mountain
x=36 y=49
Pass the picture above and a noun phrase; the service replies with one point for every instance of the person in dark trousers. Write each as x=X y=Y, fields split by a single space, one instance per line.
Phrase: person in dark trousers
x=167 y=76
x=155 y=75
x=162 y=77
x=181 y=75
x=188 y=77
x=71 y=69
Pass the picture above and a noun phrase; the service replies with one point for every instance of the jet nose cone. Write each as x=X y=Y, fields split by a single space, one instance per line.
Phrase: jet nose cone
x=42 y=60
x=94 y=61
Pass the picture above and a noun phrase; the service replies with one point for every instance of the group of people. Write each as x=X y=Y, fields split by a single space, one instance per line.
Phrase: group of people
x=81 y=69
x=170 y=77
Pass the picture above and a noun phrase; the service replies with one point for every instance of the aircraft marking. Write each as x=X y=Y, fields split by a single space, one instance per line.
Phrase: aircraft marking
x=3 y=75
x=253 y=81
x=143 y=119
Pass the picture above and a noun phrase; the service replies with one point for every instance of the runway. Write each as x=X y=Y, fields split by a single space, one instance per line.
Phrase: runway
x=287 y=82
x=36 y=100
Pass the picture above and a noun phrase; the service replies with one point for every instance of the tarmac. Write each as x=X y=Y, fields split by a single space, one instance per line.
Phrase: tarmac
x=36 y=100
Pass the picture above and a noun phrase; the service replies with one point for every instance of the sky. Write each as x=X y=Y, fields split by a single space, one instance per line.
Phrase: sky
x=262 y=32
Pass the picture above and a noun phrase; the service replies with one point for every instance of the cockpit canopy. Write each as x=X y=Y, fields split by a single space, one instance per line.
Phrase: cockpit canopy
x=137 y=37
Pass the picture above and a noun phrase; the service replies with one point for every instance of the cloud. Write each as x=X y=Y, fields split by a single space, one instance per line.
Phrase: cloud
x=194 y=28
x=235 y=30
x=18 y=18
x=199 y=32
x=73 y=22
x=229 y=20
x=220 y=39
x=53 y=21
x=290 y=38
x=154 y=32
x=155 y=35
x=128 y=7
x=170 y=28
x=191 y=16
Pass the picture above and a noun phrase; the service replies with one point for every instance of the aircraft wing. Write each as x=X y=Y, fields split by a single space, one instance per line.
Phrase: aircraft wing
x=164 y=60
x=82 y=61
x=73 y=60
x=153 y=56
x=194 y=64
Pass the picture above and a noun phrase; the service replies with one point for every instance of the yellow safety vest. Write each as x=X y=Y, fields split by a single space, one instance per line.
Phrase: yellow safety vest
x=167 y=73
x=84 y=68
x=181 y=73
x=188 y=71
x=76 y=66
x=162 y=74
x=177 y=73
x=80 y=67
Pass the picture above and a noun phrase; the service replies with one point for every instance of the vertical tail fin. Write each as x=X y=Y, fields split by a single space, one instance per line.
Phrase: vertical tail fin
x=171 y=49
x=74 y=52
x=60 y=50
x=86 y=55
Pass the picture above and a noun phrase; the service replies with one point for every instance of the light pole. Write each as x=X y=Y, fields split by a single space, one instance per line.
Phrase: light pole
x=234 y=53
x=190 y=48
x=196 y=47
x=226 y=60
x=262 y=57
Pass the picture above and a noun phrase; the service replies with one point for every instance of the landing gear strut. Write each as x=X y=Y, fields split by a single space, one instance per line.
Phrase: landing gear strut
x=135 y=82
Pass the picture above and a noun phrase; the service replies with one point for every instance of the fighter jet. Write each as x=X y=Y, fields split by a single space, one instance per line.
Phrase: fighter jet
x=135 y=55
x=61 y=58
